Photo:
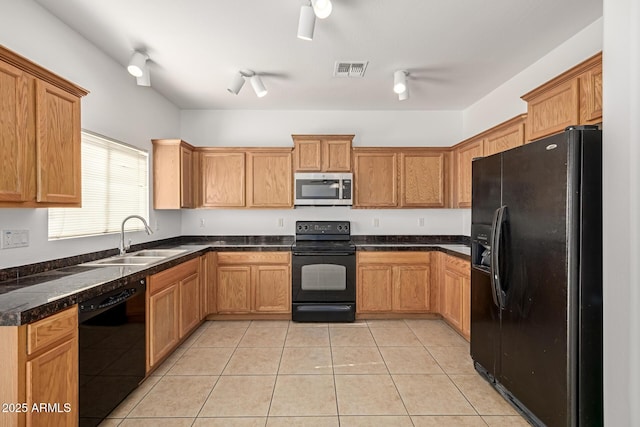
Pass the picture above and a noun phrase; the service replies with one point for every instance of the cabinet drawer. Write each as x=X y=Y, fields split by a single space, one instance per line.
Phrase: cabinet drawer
x=172 y=275
x=394 y=257
x=253 y=258
x=47 y=331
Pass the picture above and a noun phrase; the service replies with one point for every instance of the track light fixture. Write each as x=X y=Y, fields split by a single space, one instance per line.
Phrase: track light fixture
x=400 y=85
x=308 y=13
x=138 y=68
x=306 y=23
x=137 y=64
x=256 y=83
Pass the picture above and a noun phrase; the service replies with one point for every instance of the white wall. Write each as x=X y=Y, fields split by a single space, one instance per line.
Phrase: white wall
x=274 y=128
x=390 y=221
x=621 y=184
x=115 y=107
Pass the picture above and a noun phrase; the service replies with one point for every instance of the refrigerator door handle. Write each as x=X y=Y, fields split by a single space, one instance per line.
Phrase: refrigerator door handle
x=496 y=233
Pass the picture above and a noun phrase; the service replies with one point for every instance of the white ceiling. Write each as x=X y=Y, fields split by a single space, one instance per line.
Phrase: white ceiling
x=455 y=50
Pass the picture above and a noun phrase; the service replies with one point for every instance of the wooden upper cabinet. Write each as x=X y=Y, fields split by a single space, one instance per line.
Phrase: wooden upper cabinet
x=552 y=111
x=375 y=176
x=308 y=155
x=39 y=136
x=591 y=95
x=505 y=136
x=336 y=155
x=464 y=154
x=572 y=98
x=222 y=178
x=58 y=159
x=423 y=179
x=173 y=174
x=14 y=139
x=322 y=153
x=269 y=179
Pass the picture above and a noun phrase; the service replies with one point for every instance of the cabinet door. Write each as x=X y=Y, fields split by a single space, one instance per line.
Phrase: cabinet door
x=52 y=377
x=272 y=289
x=504 y=139
x=376 y=179
x=336 y=156
x=164 y=323
x=308 y=156
x=189 y=304
x=14 y=139
x=553 y=110
x=464 y=155
x=57 y=145
x=223 y=179
x=422 y=180
x=187 y=195
x=234 y=289
x=591 y=96
x=466 y=307
x=374 y=289
x=269 y=180
x=451 y=304
x=411 y=286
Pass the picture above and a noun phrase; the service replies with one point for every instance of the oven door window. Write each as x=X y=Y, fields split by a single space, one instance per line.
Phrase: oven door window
x=323 y=277
x=318 y=189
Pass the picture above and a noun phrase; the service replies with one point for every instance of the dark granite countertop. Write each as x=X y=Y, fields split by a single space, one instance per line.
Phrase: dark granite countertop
x=30 y=298
x=453 y=245
x=33 y=292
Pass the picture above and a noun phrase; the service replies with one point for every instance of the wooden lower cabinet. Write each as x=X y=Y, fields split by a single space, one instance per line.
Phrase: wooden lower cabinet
x=253 y=282
x=234 y=289
x=455 y=292
x=393 y=282
x=173 y=309
x=40 y=366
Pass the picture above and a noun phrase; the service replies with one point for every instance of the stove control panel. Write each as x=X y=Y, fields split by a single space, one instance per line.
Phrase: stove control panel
x=323 y=227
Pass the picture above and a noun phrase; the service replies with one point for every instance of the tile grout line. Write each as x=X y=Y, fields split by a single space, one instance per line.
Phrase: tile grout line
x=404 y=405
x=275 y=381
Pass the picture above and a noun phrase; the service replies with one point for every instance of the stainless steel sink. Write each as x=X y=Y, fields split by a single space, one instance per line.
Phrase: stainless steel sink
x=126 y=260
x=140 y=258
x=163 y=253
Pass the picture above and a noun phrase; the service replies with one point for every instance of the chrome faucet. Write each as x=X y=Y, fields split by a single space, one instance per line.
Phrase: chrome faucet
x=123 y=247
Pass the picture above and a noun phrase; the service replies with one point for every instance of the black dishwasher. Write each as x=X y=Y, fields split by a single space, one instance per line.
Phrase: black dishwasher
x=111 y=350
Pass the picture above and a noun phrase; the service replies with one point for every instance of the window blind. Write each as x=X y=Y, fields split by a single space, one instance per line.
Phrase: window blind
x=115 y=184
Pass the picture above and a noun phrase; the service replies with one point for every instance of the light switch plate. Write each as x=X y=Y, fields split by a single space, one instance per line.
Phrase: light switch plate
x=15 y=239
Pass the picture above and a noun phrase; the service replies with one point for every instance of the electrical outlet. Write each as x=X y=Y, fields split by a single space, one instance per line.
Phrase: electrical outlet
x=202 y=224
x=15 y=239
x=421 y=222
x=280 y=222
x=376 y=222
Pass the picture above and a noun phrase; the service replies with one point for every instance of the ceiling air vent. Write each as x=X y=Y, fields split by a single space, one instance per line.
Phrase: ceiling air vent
x=350 y=69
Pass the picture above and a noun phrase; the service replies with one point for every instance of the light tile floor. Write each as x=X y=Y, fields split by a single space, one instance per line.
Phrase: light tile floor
x=280 y=373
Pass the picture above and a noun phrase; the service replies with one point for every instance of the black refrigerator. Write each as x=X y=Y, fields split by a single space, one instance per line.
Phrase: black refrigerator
x=536 y=276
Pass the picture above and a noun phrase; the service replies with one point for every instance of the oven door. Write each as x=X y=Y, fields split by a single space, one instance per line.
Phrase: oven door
x=323 y=278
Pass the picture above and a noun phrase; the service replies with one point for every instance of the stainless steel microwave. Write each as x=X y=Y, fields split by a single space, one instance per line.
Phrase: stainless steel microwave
x=323 y=189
